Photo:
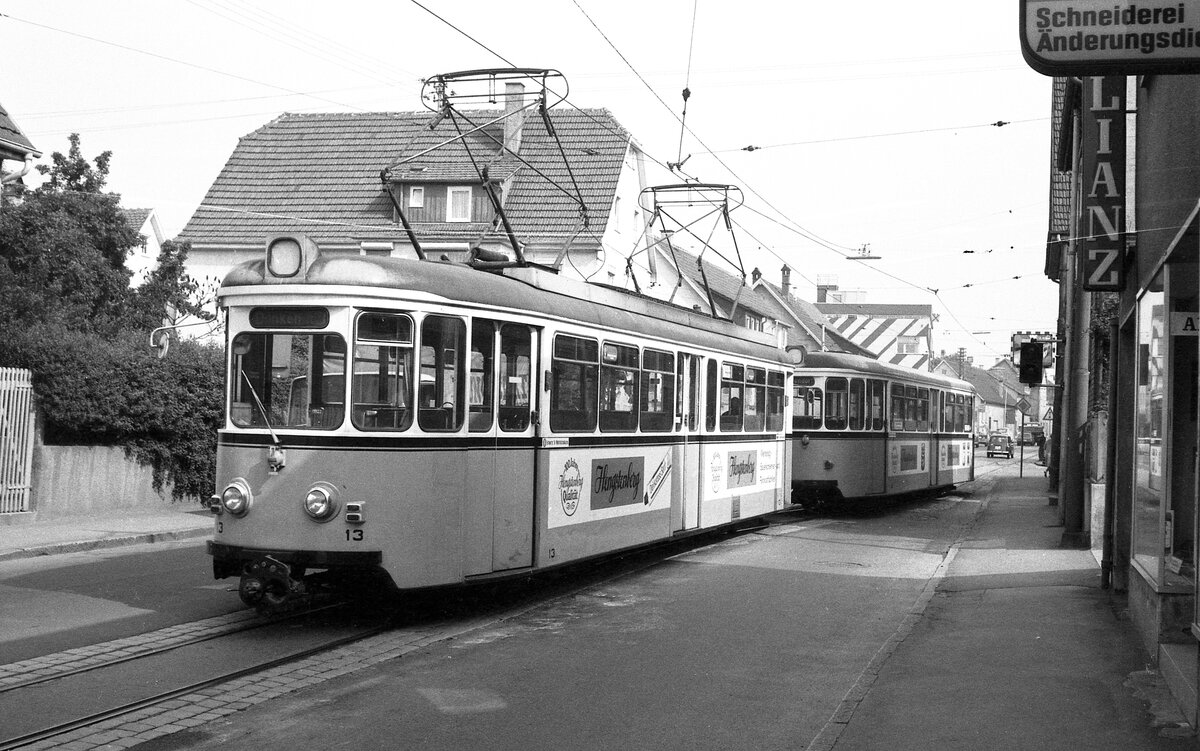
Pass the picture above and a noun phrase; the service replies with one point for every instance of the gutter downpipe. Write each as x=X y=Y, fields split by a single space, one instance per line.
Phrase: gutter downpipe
x=8 y=177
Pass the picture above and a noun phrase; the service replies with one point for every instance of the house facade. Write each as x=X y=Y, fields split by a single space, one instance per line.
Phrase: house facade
x=14 y=147
x=143 y=258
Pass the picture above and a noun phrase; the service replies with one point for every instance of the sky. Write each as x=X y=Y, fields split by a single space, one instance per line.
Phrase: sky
x=873 y=121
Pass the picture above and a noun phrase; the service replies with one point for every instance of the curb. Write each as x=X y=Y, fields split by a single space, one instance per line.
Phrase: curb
x=59 y=548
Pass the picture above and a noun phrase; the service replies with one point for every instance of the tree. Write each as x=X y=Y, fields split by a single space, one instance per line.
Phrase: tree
x=169 y=291
x=72 y=172
x=63 y=250
x=68 y=315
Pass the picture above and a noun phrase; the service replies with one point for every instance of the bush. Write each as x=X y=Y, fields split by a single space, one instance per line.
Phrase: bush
x=115 y=391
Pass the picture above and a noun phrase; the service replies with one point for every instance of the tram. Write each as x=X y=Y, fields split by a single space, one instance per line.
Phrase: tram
x=445 y=423
x=862 y=428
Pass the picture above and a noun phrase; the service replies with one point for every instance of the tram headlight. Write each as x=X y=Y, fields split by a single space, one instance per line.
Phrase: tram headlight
x=321 y=502
x=236 y=498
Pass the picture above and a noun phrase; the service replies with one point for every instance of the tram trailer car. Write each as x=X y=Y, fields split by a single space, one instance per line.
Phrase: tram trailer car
x=862 y=428
x=443 y=424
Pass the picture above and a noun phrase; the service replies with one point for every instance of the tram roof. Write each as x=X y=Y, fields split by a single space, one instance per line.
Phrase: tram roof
x=869 y=366
x=529 y=290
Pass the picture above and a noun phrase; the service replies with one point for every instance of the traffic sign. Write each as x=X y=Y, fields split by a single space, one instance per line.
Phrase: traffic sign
x=1049 y=414
x=1023 y=405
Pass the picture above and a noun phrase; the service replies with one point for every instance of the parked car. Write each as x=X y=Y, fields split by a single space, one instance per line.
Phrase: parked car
x=981 y=439
x=1000 y=444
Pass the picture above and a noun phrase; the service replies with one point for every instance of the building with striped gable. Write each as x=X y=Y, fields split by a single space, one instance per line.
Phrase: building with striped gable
x=897 y=334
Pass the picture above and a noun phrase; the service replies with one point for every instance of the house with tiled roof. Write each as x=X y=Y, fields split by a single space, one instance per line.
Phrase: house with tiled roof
x=142 y=258
x=15 y=147
x=347 y=180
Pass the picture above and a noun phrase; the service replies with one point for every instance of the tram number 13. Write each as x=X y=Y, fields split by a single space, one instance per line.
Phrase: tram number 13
x=355 y=535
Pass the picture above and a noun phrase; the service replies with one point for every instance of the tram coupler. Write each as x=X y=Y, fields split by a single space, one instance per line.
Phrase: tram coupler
x=268 y=586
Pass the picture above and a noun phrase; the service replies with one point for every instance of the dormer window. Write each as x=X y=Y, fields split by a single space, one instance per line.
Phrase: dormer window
x=416 y=197
x=458 y=204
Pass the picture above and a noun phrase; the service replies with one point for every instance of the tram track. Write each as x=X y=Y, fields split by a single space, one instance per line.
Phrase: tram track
x=159 y=691
x=26 y=673
x=104 y=693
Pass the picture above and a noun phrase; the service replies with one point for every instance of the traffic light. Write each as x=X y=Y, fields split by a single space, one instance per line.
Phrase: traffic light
x=1030 y=369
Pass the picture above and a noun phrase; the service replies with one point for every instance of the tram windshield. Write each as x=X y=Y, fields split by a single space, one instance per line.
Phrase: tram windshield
x=288 y=380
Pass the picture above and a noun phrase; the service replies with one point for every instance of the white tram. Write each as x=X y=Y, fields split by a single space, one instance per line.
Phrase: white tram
x=865 y=428
x=446 y=424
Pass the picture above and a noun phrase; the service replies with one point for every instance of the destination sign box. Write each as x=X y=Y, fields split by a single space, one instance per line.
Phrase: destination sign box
x=1099 y=37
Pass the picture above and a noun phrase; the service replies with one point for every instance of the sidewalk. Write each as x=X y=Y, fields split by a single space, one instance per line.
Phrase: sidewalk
x=24 y=538
x=1018 y=648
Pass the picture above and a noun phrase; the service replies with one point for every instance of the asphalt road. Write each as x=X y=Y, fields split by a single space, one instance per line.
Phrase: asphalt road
x=750 y=642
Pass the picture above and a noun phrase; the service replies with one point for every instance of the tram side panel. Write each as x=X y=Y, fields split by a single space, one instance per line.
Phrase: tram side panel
x=910 y=459
x=740 y=480
x=956 y=457
x=597 y=500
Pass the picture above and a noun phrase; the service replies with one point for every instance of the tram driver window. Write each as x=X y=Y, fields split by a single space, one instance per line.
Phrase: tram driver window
x=808 y=404
x=288 y=380
x=381 y=389
x=836 y=403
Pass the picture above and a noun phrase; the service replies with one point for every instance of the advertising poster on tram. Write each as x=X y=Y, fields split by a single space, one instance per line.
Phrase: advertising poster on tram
x=589 y=486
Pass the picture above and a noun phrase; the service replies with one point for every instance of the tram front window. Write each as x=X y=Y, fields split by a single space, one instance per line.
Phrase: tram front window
x=287 y=380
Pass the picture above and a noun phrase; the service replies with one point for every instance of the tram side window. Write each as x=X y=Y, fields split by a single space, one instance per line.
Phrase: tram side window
x=381 y=389
x=574 y=373
x=658 y=390
x=733 y=384
x=516 y=372
x=273 y=377
x=755 y=408
x=876 y=417
x=858 y=403
x=775 y=385
x=482 y=375
x=899 y=407
x=442 y=392
x=618 y=388
x=923 y=409
x=836 y=398
x=808 y=408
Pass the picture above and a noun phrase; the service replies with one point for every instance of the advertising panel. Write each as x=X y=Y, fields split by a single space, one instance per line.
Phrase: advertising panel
x=1102 y=37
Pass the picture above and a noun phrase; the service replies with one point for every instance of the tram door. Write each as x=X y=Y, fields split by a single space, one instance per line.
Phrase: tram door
x=687 y=453
x=501 y=470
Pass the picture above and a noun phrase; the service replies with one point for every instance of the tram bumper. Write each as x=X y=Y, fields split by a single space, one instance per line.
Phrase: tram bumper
x=232 y=560
x=274 y=581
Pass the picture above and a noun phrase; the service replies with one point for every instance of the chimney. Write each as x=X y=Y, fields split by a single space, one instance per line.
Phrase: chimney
x=514 y=100
x=785 y=281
